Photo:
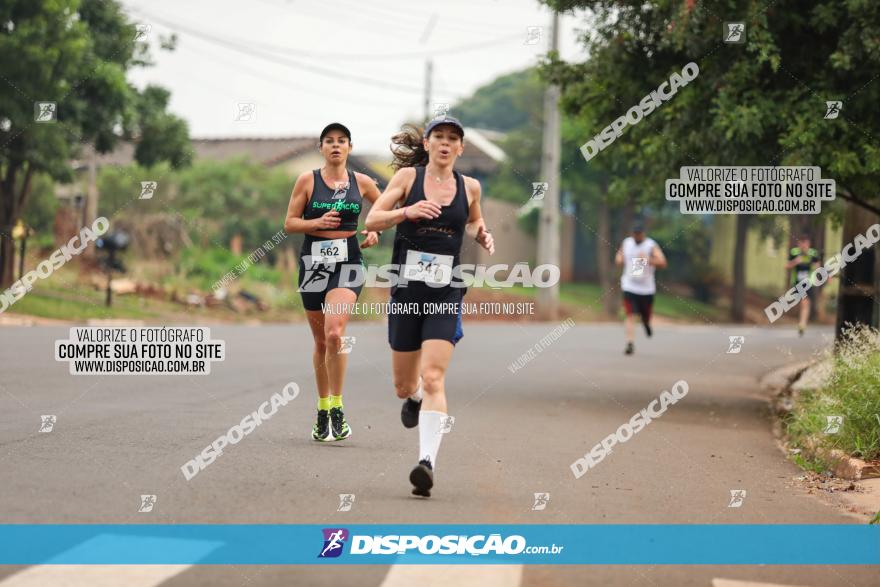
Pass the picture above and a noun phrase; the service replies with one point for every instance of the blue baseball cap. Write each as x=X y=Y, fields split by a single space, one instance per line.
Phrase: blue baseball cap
x=444 y=120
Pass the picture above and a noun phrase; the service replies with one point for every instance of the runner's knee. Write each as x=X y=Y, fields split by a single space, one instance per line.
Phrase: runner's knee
x=333 y=335
x=432 y=379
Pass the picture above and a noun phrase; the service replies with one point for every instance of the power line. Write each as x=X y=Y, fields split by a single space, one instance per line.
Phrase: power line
x=241 y=48
x=363 y=13
x=275 y=80
x=356 y=56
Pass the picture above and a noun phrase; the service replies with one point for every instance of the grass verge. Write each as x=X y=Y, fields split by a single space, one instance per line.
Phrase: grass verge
x=845 y=413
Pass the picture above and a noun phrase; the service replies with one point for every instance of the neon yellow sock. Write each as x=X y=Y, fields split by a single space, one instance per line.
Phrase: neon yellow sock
x=324 y=403
x=336 y=401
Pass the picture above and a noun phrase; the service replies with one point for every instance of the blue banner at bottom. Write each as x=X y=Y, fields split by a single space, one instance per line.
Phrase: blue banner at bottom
x=249 y=544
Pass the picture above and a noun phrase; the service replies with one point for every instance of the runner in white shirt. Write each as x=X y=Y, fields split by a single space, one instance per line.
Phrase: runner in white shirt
x=639 y=256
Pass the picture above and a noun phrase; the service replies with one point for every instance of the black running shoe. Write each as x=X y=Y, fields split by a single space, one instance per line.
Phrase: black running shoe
x=648 y=330
x=422 y=478
x=321 y=430
x=630 y=349
x=409 y=413
x=338 y=425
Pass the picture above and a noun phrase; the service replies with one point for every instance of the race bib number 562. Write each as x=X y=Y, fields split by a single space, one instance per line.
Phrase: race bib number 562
x=328 y=251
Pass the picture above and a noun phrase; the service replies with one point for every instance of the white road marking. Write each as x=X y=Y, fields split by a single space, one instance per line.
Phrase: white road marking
x=735 y=583
x=457 y=575
x=67 y=575
x=93 y=575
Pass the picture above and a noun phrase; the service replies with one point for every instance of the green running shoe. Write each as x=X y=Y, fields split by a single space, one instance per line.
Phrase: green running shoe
x=321 y=430
x=338 y=425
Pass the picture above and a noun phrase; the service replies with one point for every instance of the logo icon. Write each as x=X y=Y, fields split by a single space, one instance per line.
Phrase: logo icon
x=340 y=190
x=346 y=500
x=735 y=33
x=638 y=266
x=45 y=111
x=533 y=35
x=441 y=109
x=142 y=30
x=245 y=112
x=538 y=190
x=47 y=423
x=446 y=423
x=736 y=343
x=737 y=497
x=832 y=109
x=147 y=189
x=832 y=424
x=541 y=501
x=147 y=503
x=346 y=345
x=316 y=273
x=334 y=540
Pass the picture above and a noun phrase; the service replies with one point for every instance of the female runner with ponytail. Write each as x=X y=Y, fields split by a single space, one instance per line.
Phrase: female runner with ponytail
x=433 y=207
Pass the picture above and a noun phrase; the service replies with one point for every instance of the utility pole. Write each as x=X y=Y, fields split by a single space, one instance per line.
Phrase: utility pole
x=548 y=225
x=91 y=207
x=429 y=70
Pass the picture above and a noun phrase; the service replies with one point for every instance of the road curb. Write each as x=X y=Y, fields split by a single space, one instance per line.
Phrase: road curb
x=778 y=384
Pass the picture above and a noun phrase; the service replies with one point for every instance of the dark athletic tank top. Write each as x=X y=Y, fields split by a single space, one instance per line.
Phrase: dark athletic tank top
x=442 y=235
x=347 y=201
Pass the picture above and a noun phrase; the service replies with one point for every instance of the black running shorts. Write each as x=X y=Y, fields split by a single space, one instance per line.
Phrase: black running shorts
x=416 y=315
x=316 y=279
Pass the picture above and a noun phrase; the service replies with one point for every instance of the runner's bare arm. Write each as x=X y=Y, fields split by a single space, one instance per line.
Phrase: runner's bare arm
x=370 y=192
x=383 y=214
x=476 y=226
x=299 y=197
x=367 y=187
x=658 y=259
x=618 y=257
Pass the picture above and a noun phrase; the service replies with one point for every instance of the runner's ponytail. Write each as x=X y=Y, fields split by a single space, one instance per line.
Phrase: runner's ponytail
x=407 y=148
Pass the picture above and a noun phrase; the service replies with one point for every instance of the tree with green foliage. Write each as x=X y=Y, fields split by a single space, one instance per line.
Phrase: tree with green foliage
x=73 y=54
x=757 y=103
x=513 y=103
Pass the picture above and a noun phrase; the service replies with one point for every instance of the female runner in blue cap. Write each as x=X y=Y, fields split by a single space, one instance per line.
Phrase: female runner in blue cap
x=433 y=206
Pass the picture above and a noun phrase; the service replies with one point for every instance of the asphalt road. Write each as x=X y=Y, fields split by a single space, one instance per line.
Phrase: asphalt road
x=117 y=437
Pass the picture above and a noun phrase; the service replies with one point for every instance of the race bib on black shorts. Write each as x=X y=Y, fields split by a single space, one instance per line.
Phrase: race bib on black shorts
x=330 y=251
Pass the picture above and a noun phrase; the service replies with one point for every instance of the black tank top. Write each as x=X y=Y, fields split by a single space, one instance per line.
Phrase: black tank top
x=347 y=201
x=442 y=235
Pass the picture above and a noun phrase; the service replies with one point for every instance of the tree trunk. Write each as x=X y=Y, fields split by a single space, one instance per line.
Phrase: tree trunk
x=856 y=298
x=7 y=255
x=818 y=309
x=91 y=208
x=626 y=219
x=738 y=299
x=604 y=253
x=8 y=217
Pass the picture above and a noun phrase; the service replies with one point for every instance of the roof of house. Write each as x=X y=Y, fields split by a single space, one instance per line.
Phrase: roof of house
x=268 y=151
x=481 y=155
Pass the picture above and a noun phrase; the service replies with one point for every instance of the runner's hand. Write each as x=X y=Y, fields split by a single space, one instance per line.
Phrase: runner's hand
x=330 y=220
x=484 y=237
x=372 y=239
x=423 y=209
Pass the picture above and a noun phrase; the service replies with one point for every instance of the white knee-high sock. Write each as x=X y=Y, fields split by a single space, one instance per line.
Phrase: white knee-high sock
x=430 y=435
